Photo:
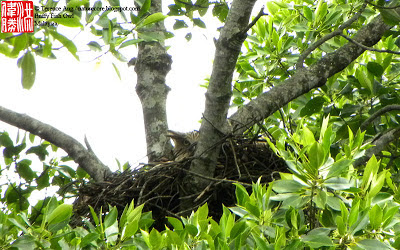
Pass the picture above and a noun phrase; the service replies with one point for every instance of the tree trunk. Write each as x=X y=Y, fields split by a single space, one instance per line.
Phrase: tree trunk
x=218 y=95
x=152 y=65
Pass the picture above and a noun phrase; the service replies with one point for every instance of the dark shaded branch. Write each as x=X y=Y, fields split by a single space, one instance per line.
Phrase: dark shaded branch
x=383 y=7
x=86 y=159
x=380 y=143
x=380 y=112
x=307 y=79
x=321 y=41
x=369 y=48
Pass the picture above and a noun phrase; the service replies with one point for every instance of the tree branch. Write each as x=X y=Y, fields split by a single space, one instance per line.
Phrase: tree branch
x=86 y=159
x=307 y=79
x=369 y=48
x=380 y=112
x=380 y=143
x=219 y=92
x=152 y=66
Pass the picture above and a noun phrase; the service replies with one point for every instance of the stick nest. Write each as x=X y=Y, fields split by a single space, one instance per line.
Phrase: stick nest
x=159 y=186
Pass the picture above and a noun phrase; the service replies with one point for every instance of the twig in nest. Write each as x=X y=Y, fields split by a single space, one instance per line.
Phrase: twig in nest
x=203 y=192
x=234 y=157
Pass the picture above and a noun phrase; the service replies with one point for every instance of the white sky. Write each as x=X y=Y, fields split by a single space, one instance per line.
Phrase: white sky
x=80 y=98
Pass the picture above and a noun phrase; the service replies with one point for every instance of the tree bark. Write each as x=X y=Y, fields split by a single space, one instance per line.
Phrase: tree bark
x=84 y=157
x=152 y=65
x=219 y=93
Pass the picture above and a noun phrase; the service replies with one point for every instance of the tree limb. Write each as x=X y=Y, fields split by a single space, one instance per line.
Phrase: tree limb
x=86 y=159
x=369 y=48
x=380 y=112
x=306 y=79
x=152 y=66
x=219 y=92
x=380 y=143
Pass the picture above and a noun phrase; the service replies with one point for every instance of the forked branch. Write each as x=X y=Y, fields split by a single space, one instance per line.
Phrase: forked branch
x=84 y=157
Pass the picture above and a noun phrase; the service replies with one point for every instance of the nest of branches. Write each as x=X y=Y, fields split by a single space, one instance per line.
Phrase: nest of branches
x=159 y=187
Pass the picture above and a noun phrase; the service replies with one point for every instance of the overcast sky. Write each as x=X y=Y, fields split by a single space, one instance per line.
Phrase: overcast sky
x=87 y=98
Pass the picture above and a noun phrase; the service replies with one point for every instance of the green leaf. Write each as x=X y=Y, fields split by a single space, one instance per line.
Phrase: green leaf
x=188 y=36
x=116 y=71
x=89 y=238
x=24 y=170
x=376 y=217
x=242 y=196
x=144 y=8
x=390 y=16
x=238 y=229
x=130 y=42
x=338 y=183
x=286 y=186
x=176 y=224
x=369 y=172
x=199 y=22
x=370 y=244
x=316 y=156
x=316 y=241
x=377 y=184
x=338 y=168
x=321 y=199
x=5 y=140
x=155 y=239
x=308 y=137
x=308 y=13
x=179 y=24
x=94 y=46
x=66 y=43
x=20 y=43
x=272 y=7
x=111 y=217
x=353 y=216
x=40 y=151
x=340 y=225
x=28 y=68
x=375 y=68
x=61 y=213
x=43 y=180
x=153 y=18
x=313 y=106
x=68 y=20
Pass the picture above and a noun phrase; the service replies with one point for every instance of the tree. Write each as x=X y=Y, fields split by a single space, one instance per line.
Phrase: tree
x=297 y=65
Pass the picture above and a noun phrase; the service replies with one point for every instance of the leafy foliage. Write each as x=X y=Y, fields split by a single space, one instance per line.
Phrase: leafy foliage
x=325 y=203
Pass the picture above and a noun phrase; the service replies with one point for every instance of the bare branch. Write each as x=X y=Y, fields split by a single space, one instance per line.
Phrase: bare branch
x=86 y=159
x=321 y=41
x=380 y=112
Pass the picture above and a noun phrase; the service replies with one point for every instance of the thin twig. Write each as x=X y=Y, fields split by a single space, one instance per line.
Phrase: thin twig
x=252 y=23
x=235 y=158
